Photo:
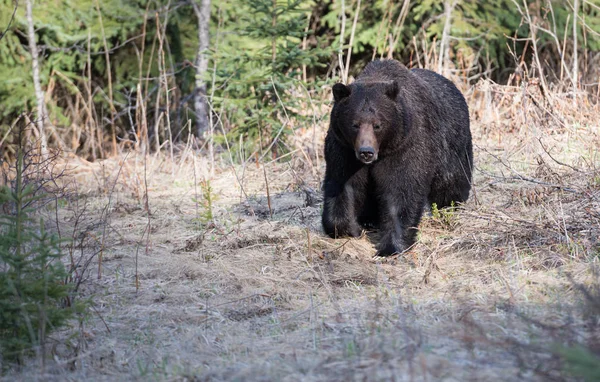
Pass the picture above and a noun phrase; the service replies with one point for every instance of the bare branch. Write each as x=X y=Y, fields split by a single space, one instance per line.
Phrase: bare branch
x=10 y=21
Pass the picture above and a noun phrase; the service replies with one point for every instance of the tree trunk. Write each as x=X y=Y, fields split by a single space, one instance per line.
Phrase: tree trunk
x=356 y=13
x=202 y=11
x=39 y=93
x=445 y=46
x=341 y=51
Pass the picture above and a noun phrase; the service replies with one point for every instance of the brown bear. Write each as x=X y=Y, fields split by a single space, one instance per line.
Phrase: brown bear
x=397 y=139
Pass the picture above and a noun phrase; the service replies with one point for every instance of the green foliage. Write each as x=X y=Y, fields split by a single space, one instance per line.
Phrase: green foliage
x=478 y=28
x=446 y=217
x=208 y=197
x=257 y=52
x=33 y=291
x=62 y=30
x=580 y=362
x=260 y=70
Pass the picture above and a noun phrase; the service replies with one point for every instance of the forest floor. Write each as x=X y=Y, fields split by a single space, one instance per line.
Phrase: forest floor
x=491 y=291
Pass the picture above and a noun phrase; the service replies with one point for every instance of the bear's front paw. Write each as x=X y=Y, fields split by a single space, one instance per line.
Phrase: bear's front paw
x=388 y=251
x=352 y=230
x=342 y=230
x=389 y=248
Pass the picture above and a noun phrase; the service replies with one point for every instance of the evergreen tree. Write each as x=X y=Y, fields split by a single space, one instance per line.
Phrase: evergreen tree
x=261 y=75
x=33 y=288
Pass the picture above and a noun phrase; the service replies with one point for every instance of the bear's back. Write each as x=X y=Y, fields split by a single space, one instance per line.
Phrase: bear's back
x=445 y=93
x=383 y=71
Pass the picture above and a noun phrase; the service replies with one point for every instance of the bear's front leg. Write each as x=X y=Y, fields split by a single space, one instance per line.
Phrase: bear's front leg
x=344 y=189
x=339 y=210
x=401 y=212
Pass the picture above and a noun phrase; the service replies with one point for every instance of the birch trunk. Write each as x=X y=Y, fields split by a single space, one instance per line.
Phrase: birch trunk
x=39 y=93
x=341 y=51
x=202 y=11
x=444 y=46
x=356 y=13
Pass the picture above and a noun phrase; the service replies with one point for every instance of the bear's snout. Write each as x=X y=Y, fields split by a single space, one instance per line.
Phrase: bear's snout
x=366 y=145
x=367 y=154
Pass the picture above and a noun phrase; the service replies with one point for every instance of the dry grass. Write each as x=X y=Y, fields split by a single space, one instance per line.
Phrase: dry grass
x=485 y=294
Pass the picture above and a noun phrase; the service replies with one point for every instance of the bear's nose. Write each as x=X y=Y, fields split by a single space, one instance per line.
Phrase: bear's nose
x=366 y=153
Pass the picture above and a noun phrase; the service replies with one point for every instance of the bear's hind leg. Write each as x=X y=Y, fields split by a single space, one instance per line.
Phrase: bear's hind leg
x=452 y=185
x=450 y=193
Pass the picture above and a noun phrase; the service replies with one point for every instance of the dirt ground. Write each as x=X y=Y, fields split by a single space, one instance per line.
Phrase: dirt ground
x=253 y=293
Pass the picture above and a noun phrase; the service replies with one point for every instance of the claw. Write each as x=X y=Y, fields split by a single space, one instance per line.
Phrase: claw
x=388 y=250
x=385 y=259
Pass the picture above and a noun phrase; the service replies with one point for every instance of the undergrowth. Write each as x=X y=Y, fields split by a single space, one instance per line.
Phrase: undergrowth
x=34 y=292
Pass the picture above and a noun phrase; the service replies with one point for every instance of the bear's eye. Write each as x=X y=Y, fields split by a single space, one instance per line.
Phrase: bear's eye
x=356 y=127
x=377 y=127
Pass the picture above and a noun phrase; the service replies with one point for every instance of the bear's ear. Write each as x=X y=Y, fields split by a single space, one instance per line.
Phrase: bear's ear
x=391 y=90
x=340 y=91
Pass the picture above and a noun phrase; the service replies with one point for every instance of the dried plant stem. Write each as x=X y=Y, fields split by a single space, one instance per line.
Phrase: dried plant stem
x=167 y=113
x=105 y=215
x=142 y=129
x=11 y=128
x=148 y=213
x=113 y=111
x=533 y=30
x=414 y=40
x=146 y=194
x=385 y=21
x=150 y=60
x=232 y=163
x=161 y=30
x=398 y=27
x=265 y=171
x=575 y=58
x=356 y=13
x=100 y=317
x=564 y=46
x=143 y=121
x=268 y=193
x=316 y=168
x=196 y=197
x=426 y=58
x=287 y=122
x=305 y=45
x=93 y=132
x=10 y=21
x=308 y=244
x=157 y=112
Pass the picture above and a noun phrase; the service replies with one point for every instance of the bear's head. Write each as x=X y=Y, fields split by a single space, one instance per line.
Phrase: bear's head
x=368 y=117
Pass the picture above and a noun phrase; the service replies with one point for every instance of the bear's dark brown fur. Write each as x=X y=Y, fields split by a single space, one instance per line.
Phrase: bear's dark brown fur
x=397 y=139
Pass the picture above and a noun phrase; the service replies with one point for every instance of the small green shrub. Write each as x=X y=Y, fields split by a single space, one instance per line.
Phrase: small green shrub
x=206 y=200
x=33 y=287
x=446 y=217
x=580 y=362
